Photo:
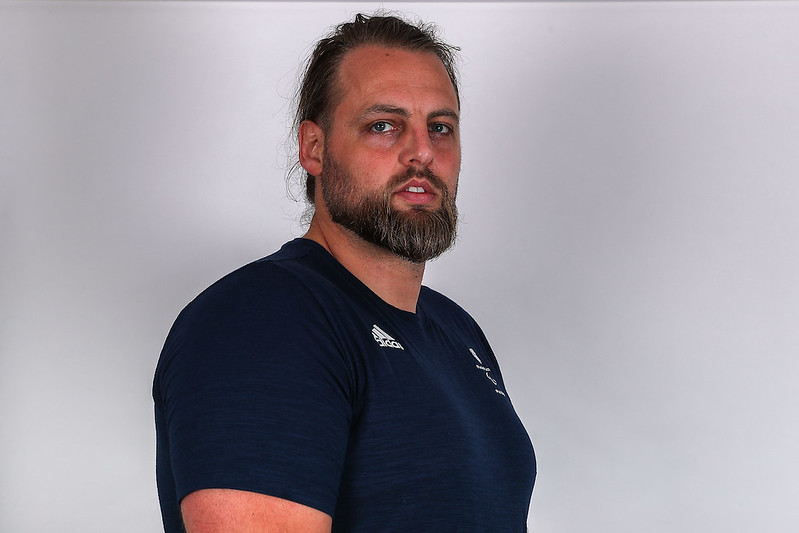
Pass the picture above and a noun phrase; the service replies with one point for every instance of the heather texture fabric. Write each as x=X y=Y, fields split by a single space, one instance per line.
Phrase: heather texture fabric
x=289 y=377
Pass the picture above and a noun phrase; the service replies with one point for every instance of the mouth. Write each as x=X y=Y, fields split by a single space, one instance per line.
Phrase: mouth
x=417 y=185
x=417 y=193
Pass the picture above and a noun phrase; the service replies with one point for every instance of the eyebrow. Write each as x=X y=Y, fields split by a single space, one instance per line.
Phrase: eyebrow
x=400 y=111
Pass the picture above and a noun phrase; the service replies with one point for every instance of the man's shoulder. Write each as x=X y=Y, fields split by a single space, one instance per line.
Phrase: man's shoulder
x=286 y=272
x=268 y=301
x=442 y=308
x=287 y=281
x=432 y=297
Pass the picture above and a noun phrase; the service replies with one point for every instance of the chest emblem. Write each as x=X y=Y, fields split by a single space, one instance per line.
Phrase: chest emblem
x=481 y=367
x=384 y=340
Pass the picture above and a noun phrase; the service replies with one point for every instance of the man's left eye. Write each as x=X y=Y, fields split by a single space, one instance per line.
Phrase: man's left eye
x=381 y=127
x=440 y=128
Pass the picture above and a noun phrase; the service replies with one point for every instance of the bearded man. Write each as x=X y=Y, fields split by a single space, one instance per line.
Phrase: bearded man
x=323 y=388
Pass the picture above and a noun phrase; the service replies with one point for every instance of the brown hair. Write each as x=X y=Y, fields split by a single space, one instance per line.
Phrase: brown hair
x=317 y=94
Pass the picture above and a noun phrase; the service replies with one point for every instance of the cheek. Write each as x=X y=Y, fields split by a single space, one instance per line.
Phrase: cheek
x=370 y=173
x=375 y=165
x=369 y=151
x=448 y=149
x=449 y=164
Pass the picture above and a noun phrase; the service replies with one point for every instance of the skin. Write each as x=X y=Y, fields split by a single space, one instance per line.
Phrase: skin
x=398 y=110
x=238 y=511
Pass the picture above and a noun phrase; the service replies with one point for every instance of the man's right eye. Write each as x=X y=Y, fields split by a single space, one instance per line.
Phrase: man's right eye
x=382 y=127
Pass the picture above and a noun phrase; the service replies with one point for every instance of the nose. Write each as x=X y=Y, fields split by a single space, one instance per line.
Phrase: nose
x=418 y=149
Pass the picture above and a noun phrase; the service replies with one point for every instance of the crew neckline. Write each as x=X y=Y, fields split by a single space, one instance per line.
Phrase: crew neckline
x=317 y=249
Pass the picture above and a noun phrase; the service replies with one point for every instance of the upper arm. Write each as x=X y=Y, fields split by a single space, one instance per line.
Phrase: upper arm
x=252 y=396
x=236 y=511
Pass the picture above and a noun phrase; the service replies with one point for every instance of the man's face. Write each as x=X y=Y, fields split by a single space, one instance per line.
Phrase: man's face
x=392 y=152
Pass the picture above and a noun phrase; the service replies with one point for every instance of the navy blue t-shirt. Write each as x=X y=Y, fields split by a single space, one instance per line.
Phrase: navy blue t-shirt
x=290 y=377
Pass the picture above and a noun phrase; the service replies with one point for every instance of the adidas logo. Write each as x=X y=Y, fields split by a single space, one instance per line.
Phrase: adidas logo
x=384 y=339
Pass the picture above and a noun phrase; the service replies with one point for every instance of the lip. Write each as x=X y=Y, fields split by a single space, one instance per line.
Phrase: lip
x=417 y=198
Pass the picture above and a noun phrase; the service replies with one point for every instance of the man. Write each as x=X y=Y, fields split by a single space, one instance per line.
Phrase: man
x=323 y=388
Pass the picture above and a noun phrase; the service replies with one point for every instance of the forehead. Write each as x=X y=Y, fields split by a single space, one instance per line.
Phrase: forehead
x=371 y=75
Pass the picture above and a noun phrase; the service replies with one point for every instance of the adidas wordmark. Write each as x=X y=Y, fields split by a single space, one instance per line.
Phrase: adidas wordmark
x=384 y=339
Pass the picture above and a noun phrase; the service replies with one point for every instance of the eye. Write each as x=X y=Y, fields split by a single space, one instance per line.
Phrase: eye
x=441 y=129
x=382 y=127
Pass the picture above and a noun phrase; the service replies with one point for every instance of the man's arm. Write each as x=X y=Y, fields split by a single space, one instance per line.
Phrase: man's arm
x=238 y=511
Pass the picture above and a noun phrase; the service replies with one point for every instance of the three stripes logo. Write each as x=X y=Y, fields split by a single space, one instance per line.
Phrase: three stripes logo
x=385 y=340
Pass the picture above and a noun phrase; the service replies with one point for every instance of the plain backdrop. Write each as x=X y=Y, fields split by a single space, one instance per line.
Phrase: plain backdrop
x=629 y=240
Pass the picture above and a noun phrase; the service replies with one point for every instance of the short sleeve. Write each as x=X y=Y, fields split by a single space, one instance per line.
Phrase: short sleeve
x=254 y=395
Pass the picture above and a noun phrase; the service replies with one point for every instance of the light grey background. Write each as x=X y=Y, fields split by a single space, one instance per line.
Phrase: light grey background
x=629 y=240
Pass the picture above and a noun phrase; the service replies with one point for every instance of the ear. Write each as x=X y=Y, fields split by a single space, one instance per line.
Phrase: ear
x=312 y=144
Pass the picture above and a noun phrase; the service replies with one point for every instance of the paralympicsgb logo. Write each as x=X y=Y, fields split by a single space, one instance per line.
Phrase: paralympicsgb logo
x=481 y=367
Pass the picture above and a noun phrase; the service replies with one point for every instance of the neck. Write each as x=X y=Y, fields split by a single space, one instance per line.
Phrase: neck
x=395 y=280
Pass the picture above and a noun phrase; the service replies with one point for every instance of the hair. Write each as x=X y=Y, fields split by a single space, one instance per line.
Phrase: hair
x=318 y=93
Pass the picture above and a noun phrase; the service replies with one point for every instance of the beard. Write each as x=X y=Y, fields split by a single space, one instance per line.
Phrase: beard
x=417 y=235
